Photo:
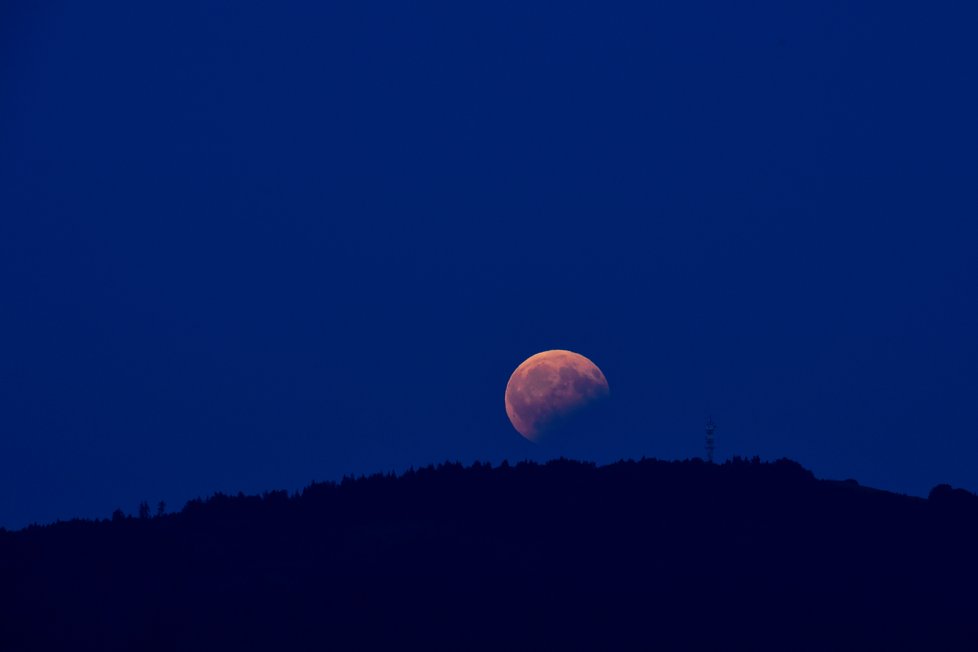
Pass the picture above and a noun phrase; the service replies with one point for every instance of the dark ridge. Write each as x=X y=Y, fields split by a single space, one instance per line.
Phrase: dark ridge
x=566 y=555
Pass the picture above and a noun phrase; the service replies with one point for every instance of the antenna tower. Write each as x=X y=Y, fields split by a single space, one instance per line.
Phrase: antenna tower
x=710 y=441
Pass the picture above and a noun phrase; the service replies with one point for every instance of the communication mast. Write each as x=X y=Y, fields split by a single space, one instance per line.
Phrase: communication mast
x=710 y=441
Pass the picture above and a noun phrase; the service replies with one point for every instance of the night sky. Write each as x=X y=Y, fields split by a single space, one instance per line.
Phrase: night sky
x=248 y=245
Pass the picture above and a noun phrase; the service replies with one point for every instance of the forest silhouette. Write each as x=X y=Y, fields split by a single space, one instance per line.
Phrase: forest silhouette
x=564 y=555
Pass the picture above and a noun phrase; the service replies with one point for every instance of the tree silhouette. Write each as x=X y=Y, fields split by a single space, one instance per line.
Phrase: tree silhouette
x=562 y=555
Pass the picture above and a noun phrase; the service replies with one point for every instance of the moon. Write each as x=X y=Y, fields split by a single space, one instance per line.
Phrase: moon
x=550 y=389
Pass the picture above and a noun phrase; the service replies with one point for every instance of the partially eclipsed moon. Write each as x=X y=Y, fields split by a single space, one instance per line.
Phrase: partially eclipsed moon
x=549 y=388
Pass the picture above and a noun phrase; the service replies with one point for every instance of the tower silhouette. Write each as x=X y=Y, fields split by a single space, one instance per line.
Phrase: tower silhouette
x=711 y=428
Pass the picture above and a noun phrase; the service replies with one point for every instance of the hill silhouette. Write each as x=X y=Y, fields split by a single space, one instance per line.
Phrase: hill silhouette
x=565 y=555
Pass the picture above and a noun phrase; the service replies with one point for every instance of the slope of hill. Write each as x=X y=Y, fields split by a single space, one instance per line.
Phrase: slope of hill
x=566 y=555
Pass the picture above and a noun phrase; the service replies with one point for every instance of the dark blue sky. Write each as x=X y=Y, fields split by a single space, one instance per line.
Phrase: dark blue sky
x=246 y=245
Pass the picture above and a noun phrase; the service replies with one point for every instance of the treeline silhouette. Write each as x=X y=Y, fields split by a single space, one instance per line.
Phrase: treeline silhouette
x=745 y=555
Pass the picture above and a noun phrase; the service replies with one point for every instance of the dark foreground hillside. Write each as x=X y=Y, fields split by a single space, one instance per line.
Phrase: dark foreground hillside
x=635 y=555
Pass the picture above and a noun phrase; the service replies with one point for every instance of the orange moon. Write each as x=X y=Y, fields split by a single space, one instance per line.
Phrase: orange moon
x=548 y=389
